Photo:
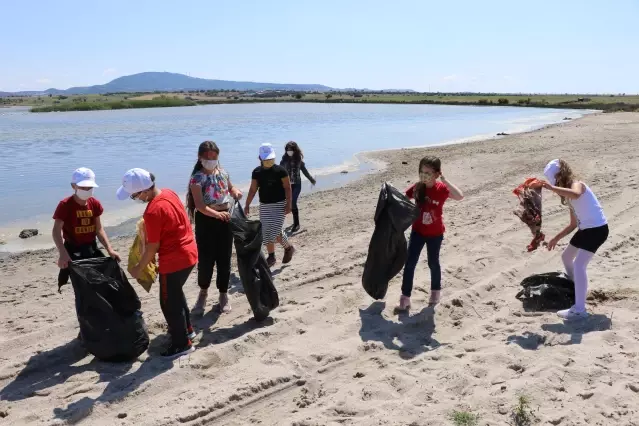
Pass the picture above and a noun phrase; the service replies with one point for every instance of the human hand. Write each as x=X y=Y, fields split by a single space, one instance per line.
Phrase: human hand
x=63 y=260
x=546 y=185
x=247 y=209
x=313 y=182
x=223 y=216
x=114 y=254
x=552 y=243
x=135 y=271
x=237 y=195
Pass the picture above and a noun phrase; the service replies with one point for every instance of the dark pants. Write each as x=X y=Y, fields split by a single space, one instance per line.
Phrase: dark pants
x=415 y=246
x=78 y=252
x=174 y=307
x=214 y=249
x=297 y=189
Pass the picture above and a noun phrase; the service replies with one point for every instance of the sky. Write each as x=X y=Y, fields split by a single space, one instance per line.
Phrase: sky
x=541 y=46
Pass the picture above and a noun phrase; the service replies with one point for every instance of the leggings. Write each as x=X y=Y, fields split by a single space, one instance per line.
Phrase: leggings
x=576 y=261
x=174 y=307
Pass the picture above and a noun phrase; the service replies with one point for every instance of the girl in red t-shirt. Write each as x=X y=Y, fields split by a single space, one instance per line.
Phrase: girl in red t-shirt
x=430 y=195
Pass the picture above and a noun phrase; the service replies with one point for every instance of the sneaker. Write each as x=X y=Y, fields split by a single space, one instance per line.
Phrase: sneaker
x=572 y=314
x=435 y=295
x=288 y=255
x=225 y=306
x=271 y=261
x=191 y=333
x=404 y=303
x=200 y=304
x=295 y=229
x=174 y=352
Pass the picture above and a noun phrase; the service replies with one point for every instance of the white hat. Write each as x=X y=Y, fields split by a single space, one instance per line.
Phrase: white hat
x=267 y=152
x=551 y=171
x=84 y=178
x=134 y=181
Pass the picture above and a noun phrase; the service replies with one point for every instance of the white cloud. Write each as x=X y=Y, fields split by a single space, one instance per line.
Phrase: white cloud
x=43 y=81
x=109 y=71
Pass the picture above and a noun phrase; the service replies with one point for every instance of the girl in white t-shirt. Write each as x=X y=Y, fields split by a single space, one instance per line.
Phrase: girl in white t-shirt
x=587 y=215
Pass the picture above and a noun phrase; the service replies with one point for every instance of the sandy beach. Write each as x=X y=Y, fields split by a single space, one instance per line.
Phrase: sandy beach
x=333 y=356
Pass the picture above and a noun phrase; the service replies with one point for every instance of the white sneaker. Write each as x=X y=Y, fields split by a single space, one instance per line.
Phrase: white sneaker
x=572 y=314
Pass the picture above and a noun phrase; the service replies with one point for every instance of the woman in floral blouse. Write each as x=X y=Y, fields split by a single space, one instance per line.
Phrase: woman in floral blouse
x=208 y=202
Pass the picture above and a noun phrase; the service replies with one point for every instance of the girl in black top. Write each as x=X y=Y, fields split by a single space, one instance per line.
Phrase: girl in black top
x=274 y=187
x=293 y=162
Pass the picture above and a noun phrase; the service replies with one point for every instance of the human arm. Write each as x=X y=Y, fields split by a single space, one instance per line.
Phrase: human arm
x=198 y=199
x=235 y=192
x=454 y=192
x=571 y=193
x=286 y=182
x=102 y=236
x=566 y=231
x=56 y=233
x=307 y=174
x=249 y=198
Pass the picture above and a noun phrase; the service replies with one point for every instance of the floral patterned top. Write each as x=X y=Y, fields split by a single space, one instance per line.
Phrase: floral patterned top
x=215 y=187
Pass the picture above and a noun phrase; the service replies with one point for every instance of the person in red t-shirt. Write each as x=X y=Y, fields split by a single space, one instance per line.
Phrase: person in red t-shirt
x=430 y=196
x=77 y=224
x=169 y=235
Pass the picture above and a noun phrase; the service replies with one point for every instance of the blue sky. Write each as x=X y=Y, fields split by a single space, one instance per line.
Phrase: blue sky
x=529 y=46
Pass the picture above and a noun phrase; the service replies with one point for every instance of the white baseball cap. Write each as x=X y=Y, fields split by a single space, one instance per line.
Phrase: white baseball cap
x=551 y=171
x=135 y=180
x=267 y=152
x=84 y=178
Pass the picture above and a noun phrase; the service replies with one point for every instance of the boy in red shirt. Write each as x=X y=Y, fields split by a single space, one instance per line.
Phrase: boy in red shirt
x=169 y=234
x=430 y=196
x=77 y=224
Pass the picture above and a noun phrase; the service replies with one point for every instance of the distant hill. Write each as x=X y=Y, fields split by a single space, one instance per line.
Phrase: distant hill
x=168 y=82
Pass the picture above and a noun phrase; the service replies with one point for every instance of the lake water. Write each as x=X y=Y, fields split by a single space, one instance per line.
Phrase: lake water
x=38 y=152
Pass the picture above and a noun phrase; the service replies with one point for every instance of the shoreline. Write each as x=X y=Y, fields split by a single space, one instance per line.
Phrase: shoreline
x=357 y=167
x=331 y=352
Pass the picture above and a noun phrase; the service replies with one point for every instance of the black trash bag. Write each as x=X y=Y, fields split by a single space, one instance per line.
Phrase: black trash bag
x=548 y=291
x=108 y=308
x=387 y=250
x=251 y=264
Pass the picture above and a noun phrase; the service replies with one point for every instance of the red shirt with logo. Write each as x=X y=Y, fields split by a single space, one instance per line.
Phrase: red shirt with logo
x=79 y=221
x=167 y=223
x=430 y=222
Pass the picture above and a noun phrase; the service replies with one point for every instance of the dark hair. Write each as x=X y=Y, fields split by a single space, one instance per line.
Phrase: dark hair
x=420 y=189
x=298 y=155
x=206 y=146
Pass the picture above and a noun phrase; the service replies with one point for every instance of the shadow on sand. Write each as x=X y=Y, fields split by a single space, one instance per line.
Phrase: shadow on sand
x=575 y=329
x=411 y=336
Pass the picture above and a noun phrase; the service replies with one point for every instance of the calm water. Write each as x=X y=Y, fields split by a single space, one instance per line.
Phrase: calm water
x=38 y=152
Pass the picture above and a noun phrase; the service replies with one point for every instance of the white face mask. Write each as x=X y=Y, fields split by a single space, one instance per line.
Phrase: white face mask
x=209 y=164
x=84 y=194
x=290 y=153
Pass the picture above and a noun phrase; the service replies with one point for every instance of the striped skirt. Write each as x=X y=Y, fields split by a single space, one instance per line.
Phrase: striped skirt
x=272 y=216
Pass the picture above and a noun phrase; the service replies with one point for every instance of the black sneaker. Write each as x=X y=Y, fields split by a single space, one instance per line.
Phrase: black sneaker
x=271 y=261
x=174 y=352
x=295 y=229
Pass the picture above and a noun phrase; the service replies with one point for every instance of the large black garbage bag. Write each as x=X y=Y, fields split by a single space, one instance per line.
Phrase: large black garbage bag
x=551 y=290
x=108 y=309
x=387 y=250
x=254 y=271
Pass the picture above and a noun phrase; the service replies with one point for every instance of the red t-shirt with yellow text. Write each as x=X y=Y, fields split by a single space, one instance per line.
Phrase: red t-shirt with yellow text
x=79 y=221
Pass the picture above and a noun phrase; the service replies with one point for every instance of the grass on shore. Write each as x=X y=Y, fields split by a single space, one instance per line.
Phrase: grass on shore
x=609 y=103
x=157 y=102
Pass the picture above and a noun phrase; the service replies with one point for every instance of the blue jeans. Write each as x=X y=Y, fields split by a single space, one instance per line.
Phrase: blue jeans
x=415 y=246
x=297 y=189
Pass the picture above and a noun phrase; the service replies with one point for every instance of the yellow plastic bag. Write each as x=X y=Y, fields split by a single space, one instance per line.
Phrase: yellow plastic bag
x=150 y=273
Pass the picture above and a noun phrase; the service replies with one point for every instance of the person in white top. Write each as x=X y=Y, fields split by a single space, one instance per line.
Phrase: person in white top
x=587 y=215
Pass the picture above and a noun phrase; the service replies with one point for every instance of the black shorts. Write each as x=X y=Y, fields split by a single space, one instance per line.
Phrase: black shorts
x=590 y=239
